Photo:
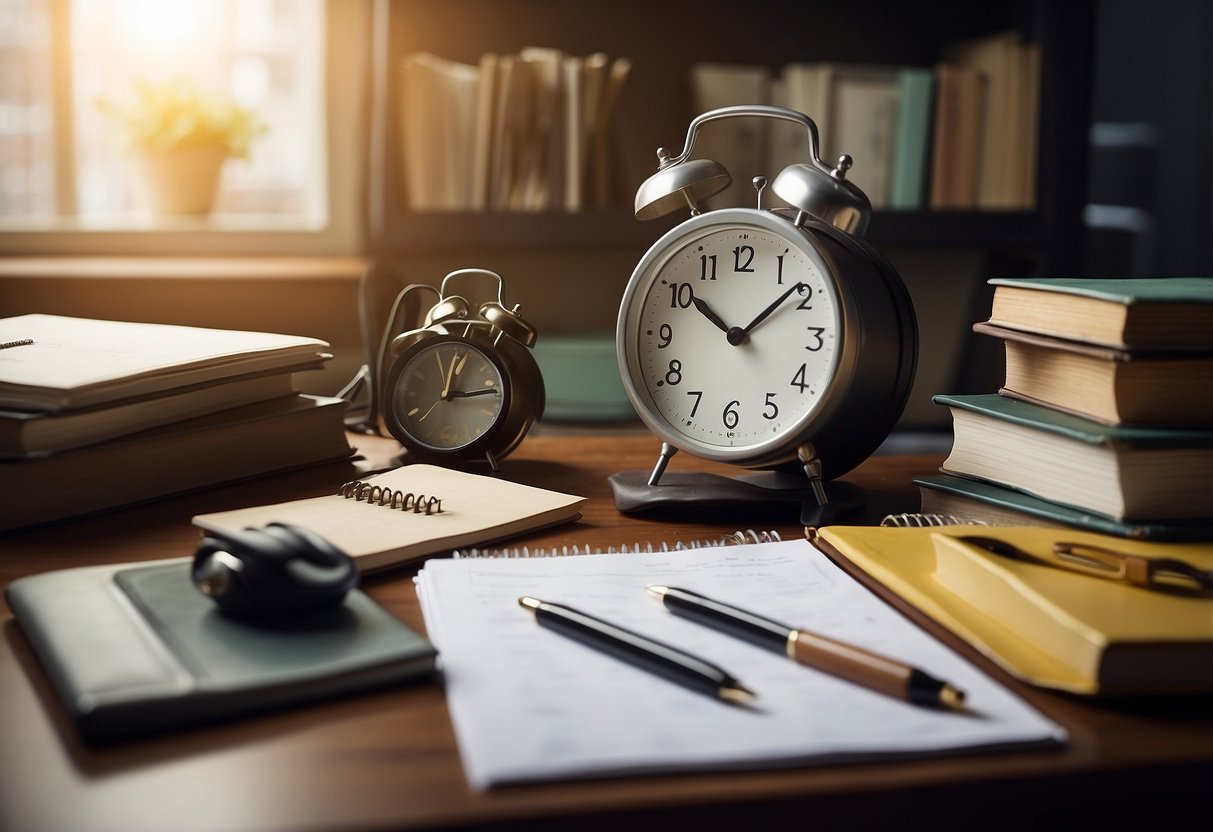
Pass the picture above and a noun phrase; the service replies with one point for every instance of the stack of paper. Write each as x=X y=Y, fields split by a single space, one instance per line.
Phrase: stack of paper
x=574 y=712
x=97 y=414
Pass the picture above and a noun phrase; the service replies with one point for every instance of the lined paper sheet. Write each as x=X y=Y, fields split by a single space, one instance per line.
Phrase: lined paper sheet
x=531 y=704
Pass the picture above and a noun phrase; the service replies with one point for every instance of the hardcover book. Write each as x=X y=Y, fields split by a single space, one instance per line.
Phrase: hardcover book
x=1113 y=386
x=1173 y=313
x=1140 y=474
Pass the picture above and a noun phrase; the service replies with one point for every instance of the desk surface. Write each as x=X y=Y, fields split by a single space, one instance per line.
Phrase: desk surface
x=388 y=759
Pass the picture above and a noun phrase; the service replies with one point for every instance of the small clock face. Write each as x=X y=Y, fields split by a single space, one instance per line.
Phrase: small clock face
x=730 y=335
x=448 y=395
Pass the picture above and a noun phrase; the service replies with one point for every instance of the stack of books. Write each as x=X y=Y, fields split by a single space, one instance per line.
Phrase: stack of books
x=99 y=414
x=1105 y=420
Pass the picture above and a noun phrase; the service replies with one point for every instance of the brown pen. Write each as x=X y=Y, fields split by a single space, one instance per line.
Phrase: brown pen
x=846 y=661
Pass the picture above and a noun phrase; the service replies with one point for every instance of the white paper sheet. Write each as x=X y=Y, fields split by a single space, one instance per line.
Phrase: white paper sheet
x=531 y=704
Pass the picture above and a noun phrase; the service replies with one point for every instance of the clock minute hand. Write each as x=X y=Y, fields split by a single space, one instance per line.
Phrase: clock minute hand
x=463 y=394
x=766 y=313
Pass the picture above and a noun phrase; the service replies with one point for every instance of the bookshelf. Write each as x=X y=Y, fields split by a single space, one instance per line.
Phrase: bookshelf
x=665 y=39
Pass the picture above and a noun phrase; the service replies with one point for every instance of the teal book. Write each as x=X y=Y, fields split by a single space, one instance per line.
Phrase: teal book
x=984 y=502
x=1164 y=313
x=136 y=648
x=1123 y=473
x=912 y=148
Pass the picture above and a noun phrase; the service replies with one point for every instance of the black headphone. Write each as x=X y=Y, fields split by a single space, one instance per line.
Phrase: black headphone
x=274 y=571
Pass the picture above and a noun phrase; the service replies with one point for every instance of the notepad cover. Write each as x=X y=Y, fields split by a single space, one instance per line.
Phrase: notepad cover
x=135 y=648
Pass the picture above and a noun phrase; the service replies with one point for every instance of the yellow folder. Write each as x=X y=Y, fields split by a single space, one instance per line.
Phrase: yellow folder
x=1048 y=626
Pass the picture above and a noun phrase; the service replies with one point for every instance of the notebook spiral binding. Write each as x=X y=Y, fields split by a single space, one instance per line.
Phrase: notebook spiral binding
x=734 y=539
x=912 y=521
x=377 y=495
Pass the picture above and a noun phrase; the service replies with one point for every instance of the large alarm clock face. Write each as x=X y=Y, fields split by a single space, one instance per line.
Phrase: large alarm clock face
x=729 y=334
x=448 y=395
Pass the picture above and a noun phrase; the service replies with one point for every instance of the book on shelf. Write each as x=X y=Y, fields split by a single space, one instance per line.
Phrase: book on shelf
x=862 y=122
x=1125 y=313
x=1108 y=385
x=979 y=501
x=740 y=144
x=72 y=363
x=1124 y=473
x=411 y=512
x=1011 y=69
x=438 y=130
x=528 y=131
x=957 y=131
x=1050 y=627
x=233 y=444
x=911 y=148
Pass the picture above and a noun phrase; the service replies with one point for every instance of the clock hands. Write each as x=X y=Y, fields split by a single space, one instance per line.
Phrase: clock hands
x=706 y=311
x=740 y=334
x=736 y=335
x=463 y=394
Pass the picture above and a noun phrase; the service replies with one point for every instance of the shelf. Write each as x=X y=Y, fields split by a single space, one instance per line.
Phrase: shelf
x=665 y=40
x=499 y=231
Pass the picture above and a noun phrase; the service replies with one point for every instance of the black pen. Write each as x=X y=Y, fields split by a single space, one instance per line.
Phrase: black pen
x=670 y=662
x=837 y=658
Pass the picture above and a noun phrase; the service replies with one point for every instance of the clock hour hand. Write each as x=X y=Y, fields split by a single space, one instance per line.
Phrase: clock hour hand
x=737 y=335
x=707 y=312
x=463 y=394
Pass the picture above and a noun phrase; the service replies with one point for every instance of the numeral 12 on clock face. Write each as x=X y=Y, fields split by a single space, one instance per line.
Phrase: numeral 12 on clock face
x=737 y=335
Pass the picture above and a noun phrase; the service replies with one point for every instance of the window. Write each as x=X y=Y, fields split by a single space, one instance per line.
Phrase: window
x=66 y=167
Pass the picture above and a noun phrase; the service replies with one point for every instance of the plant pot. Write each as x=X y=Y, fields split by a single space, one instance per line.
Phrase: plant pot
x=181 y=180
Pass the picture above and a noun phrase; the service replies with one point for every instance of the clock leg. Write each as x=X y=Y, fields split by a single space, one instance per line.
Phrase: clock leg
x=807 y=455
x=492 y=462
x=667 y=451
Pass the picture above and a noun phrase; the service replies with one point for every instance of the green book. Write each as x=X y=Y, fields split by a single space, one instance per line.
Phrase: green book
x=907 y=190
x=1123 y=473
x=1165 y=313
x=980 y=501
x=136 y=648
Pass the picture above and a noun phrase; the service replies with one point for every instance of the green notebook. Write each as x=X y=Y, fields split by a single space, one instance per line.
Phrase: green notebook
x=135 y=648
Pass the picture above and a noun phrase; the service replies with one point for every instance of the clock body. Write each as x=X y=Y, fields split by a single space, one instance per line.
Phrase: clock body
x=744 y=334
x=453 y=397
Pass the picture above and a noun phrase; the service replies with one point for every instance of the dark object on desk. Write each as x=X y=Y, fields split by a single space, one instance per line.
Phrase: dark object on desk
x=846 y=661
x=1158 y=574
x=134 y=649
x=638 y=650
x=766 y=493
x=273 y=571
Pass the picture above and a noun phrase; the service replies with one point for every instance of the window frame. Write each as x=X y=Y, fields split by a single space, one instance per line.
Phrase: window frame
x=347 y=68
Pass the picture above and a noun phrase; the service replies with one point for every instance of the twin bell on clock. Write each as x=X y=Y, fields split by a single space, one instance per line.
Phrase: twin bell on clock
x=777 y=339
x=465 y=385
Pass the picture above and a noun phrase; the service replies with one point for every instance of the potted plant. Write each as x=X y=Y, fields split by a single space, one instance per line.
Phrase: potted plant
x=181 y=137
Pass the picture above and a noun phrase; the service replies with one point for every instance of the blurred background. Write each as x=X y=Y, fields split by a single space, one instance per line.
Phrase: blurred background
x=383 y=136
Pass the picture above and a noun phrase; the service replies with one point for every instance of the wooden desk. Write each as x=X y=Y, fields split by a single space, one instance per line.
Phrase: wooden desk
x=388 y=759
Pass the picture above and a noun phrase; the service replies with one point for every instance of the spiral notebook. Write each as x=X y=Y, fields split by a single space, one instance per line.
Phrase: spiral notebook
x=410 y=512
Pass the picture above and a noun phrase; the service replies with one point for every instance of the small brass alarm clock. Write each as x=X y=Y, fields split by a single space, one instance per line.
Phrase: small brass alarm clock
x=769 y=339
x=464 y=386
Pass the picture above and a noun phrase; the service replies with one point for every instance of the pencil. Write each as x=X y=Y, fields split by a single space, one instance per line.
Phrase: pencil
x=640 y=651
x=846 y=661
